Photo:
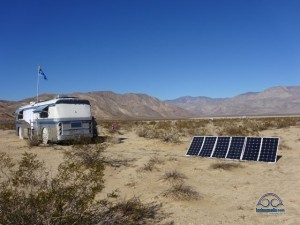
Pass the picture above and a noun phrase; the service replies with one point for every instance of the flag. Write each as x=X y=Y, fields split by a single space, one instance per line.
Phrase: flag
x=41 y=73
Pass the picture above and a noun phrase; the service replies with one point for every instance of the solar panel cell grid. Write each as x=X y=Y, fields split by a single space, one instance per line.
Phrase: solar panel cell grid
x=221 y=147
x=268 y=151
x=236 y=148
x=208 y=146
x=252 y=148
x=195 y=146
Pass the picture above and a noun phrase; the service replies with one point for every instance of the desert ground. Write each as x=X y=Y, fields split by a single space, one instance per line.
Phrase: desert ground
x=218 y=195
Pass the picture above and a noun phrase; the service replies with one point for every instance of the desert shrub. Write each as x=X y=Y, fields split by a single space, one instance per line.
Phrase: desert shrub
x=142 y=131
x=285 y=122
x=169 y=134
x=117 y=162
x=192 y=127
x=149 y=167
x=181 y=192
x=152 y=164
x=131 y=212
x=7 y=125
x=122 y=124
x=232 y=130
x=173 y=176
x=156 y=160
x=34 y=141
x=152 y=123
x=256 y=125
x=163 y=125
x=28 y=195
x=225 y=166
x=65 y=199
x=260 y=124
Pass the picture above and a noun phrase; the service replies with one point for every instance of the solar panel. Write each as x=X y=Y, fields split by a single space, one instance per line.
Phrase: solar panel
x=263 y=149
x=221 y=147
x=208 y=146
x=195 y=146
x=236 y=148
x=252 y=148
x=268 y=152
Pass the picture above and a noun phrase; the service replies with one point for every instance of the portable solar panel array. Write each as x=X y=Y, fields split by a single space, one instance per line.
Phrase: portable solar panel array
x=262 y=149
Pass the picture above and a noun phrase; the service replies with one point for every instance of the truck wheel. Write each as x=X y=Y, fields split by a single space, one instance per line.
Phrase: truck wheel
x=45 y=136
x=20 y=133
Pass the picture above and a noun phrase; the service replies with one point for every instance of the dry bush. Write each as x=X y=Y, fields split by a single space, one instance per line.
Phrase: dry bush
x=145 y=131
x=173 y=177
x=7 y=125
x=171 y=135
x=152 y=164
x=164 y=125
x=127 y=125
x=225 y=166
x=232 y=130
x=285 y=122
x=34 y=141
x=168 y=134
x=132 y=212
x=260 y=124
x=28 y=195
x=197 y=131
x=192 y=127
x=188 y=124
x=64 y=199
x=149 y=167
x=182 y=192
x=117 y=162
x=256 y=125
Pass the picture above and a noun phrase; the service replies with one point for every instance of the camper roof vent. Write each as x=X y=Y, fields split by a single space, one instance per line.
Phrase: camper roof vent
x=64 y=96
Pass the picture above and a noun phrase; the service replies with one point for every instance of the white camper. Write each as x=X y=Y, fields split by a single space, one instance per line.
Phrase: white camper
x=59 y=119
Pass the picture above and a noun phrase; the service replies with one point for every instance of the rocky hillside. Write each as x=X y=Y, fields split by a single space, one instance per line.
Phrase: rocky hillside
x=109 y=105
x=272 y=101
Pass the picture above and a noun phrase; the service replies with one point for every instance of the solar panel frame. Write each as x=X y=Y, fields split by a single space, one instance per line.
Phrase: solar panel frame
x=208 y=146
x=221 y=148
x=235 y=152
x=191 y=145
x=252 y=148
x=262 y=154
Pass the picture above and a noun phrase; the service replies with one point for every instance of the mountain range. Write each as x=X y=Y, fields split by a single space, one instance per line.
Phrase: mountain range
x=279 y=100
x=107 y=105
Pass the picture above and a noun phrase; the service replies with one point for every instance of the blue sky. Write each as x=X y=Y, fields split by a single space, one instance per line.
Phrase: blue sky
x=166 y=49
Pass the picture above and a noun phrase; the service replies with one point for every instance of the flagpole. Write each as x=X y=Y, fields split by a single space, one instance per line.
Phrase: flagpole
x=37 y=86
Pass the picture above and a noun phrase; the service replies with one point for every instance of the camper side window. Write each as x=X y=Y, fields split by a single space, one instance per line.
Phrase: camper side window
x=20 y=116
x=44 y=113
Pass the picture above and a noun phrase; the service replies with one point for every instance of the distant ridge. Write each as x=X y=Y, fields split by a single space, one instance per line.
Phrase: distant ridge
x=279 y=100
x=107 y=105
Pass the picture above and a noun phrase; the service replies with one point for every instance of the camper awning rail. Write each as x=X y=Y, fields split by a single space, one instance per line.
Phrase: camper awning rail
x=40 y=109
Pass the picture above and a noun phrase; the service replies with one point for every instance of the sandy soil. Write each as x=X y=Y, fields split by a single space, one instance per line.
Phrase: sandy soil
x=226 y=196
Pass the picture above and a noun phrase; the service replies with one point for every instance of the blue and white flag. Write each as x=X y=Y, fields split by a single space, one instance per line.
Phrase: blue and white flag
x=41 y=73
